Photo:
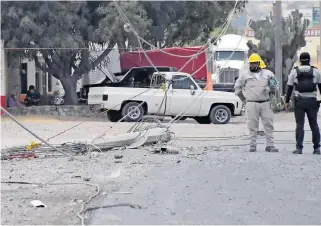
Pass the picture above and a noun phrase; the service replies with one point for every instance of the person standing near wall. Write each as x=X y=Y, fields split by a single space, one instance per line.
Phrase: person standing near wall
x=14 y=98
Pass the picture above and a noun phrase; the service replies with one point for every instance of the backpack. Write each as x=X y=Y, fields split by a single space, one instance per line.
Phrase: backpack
x=305 y=81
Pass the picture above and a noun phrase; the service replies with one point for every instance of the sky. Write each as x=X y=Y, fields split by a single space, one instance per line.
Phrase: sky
x=257 y=10
x=260 y=9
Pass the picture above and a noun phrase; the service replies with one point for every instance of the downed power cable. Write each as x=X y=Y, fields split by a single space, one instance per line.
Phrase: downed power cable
x=82 y=211
x=39 y=138
x=133 y=206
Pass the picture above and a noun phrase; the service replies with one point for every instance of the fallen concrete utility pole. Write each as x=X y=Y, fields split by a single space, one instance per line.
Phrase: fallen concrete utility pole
x=134 y=139
x=128 y=140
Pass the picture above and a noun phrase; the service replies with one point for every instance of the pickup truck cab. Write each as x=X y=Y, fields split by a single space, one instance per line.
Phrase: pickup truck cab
x=169 y=94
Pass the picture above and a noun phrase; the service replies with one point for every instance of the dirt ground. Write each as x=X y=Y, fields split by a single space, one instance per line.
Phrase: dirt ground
x=63 y=201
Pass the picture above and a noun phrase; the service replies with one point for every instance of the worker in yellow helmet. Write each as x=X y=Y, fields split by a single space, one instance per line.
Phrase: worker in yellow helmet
x=262 y=64
x=254 y=89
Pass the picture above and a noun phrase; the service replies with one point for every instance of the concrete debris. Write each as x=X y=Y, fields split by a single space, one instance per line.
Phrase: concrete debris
x=118 y=156
x=37 y=203
x=94 y=154
x=86 y=179
x=166 y=150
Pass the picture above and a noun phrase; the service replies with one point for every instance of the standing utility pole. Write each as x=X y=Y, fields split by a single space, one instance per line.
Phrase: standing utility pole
x=278 y=45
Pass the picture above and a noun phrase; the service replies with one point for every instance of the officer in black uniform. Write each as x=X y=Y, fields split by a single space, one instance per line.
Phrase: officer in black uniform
x=305 y=79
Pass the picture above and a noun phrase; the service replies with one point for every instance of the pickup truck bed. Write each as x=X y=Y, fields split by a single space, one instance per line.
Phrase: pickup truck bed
x=218 y=87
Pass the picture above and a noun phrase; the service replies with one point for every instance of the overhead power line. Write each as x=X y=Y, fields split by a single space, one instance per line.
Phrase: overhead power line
x=136 y=34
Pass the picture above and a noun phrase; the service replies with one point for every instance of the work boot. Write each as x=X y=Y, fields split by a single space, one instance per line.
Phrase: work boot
x=271 y=149
x=252 y=149
x=316 y=151
x=297 y=152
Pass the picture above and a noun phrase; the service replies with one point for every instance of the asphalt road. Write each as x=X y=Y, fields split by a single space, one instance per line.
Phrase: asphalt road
x=226 y=186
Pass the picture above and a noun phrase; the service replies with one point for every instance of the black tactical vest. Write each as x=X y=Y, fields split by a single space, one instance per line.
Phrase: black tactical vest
x=305 y=81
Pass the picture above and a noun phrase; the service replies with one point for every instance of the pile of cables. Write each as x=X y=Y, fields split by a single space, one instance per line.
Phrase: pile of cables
x=72 y=148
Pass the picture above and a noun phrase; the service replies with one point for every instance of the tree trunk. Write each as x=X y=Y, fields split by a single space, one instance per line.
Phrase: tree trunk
x=69 y=84
x=121 y=46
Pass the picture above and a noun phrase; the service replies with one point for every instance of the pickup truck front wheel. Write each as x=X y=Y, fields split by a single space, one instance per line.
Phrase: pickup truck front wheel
x=133 y=112
x=220 y=114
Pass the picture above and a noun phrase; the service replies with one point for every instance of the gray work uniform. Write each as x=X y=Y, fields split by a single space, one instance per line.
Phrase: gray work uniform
x=256 y=90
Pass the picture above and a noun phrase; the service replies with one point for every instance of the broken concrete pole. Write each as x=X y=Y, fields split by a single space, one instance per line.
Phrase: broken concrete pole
x=133 y=140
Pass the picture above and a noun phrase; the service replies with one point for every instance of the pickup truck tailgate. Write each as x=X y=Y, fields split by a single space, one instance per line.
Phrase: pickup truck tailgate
x=95 y=95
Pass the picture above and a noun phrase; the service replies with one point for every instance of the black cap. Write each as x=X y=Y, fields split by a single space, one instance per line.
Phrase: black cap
x=305 y=57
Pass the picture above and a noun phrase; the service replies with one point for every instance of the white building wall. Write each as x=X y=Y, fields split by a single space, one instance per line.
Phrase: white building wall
x=31 y=70
x=3 y=77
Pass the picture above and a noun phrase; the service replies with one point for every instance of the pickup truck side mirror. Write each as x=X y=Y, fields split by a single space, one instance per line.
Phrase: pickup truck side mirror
x=192 y=89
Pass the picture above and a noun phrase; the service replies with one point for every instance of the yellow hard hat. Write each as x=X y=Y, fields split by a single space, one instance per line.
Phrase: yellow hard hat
x=254 y=58
x=262 y=64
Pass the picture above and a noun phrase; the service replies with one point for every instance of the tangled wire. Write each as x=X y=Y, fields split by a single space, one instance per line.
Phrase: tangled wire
x=72 y=148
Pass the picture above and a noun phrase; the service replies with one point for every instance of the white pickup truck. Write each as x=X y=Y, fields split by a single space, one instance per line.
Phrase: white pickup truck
x=204 y=106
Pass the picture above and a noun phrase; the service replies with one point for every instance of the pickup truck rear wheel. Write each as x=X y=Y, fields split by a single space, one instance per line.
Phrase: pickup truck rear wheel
x=133 y=111
x=220 y=114
x=113 y=116
x=203 y=120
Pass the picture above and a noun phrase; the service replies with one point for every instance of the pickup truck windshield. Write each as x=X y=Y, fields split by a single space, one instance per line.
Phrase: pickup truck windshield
x=225 y=55
x=141 y=77
x=182 y=82
x=157 y=81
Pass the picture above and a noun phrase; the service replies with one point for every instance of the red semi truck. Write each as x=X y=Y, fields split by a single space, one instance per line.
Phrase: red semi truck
x=129 y=60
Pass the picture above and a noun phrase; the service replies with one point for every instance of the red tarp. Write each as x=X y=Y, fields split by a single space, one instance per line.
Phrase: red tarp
x=138 y=59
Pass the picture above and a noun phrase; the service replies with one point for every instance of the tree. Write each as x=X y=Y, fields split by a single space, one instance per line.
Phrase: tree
x=293 y=38
x=184 y=22
x=112 y=24
x=63 y=33
x=60 y=31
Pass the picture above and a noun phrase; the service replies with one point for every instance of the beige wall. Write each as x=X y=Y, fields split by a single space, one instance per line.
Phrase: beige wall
x=313 y=44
